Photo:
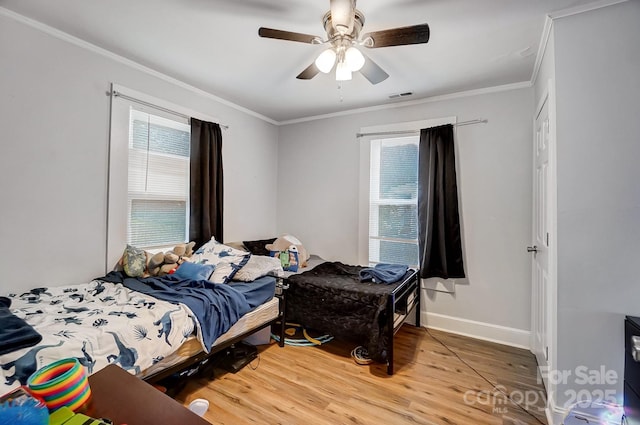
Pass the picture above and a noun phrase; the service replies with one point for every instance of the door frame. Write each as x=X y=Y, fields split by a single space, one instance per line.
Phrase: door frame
x=548 y=95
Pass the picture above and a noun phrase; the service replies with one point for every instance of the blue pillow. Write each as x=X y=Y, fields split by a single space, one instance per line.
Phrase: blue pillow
x=194 y=271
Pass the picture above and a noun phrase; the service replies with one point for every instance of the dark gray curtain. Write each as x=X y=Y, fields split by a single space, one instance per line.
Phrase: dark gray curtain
x=439 y=239
x=206 y=197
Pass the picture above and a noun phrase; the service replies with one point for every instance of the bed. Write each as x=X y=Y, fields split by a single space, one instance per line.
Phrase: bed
x=330 y=297
x=137 y=323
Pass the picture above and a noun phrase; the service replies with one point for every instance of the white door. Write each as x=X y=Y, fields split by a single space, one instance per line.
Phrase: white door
x=540 y=249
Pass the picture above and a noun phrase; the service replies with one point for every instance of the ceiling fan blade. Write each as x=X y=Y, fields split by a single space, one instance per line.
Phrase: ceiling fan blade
x=287 y=35
x=415 y=34
x=373 y=72
x=310 y=72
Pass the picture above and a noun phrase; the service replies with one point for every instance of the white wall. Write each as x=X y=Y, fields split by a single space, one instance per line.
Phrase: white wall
x=318 y=198
x=598 y=103
x=598 y=225
x=54 y=133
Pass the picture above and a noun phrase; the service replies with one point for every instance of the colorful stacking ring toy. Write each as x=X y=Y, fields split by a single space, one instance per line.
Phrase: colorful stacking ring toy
x=62 y=383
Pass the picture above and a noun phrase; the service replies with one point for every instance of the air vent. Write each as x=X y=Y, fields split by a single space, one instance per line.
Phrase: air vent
x=397 y=95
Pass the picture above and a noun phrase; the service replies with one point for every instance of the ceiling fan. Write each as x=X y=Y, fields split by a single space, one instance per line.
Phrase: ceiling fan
x=343 y=23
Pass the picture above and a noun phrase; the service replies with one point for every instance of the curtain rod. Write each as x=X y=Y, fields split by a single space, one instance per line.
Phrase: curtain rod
x=398 y=132
x=116 y=93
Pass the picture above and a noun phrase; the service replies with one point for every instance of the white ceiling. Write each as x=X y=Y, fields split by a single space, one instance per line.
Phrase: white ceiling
x=214 y=46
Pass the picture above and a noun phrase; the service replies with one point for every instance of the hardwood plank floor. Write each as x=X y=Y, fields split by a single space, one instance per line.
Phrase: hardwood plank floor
x=432 y=384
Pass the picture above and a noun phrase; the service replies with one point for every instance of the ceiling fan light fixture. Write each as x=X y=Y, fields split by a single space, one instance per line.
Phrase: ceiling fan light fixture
x=325 y=60
x=343 y=73
x=354 y=59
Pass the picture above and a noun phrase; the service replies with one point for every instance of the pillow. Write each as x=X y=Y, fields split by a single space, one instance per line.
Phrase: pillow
x=224 y=272
x=134 y=261
x=194 y=271
x=258 y=266
x=257 y=247
x=227 y=260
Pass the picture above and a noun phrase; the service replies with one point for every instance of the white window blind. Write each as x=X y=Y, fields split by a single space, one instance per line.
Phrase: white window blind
x=158 y=180
x=393 y=216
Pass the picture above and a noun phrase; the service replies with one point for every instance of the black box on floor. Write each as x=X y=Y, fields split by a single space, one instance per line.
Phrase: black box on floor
x=238 y=356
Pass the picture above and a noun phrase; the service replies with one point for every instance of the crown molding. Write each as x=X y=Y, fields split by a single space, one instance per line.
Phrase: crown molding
x=548 y=26
x=458 y=95
x=542 y=47
x=584 y=8
x=61 y=35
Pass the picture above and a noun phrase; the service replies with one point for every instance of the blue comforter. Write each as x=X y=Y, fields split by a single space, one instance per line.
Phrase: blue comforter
x=217 y=307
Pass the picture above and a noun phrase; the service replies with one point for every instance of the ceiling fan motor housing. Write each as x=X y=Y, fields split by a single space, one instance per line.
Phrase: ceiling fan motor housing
x=333 y=34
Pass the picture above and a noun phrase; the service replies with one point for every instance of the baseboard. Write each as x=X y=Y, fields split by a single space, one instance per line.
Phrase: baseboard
x=486 y=331
x=555 y=414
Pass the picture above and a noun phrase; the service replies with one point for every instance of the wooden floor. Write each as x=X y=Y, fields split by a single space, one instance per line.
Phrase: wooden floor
x=431 y=385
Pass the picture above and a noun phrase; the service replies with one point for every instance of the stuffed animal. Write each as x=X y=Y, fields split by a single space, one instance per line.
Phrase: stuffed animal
x=285 y=242
x=166 y=262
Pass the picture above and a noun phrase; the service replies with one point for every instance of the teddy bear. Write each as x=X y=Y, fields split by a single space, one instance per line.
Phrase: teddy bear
x=286 y=242
x=164 y=263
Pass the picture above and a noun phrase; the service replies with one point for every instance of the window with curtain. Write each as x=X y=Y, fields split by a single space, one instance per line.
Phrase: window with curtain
x=158 y=179
x=393 y=216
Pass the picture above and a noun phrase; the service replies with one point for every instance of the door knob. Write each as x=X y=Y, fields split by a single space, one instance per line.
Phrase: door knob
x=532 y=248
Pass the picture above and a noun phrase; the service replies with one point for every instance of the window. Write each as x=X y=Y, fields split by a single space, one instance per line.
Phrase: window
x=148 y=183
x=393 y=189
x=158 y=180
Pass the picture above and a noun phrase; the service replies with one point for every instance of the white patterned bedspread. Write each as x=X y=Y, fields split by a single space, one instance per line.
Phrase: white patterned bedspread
x=99 y=323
